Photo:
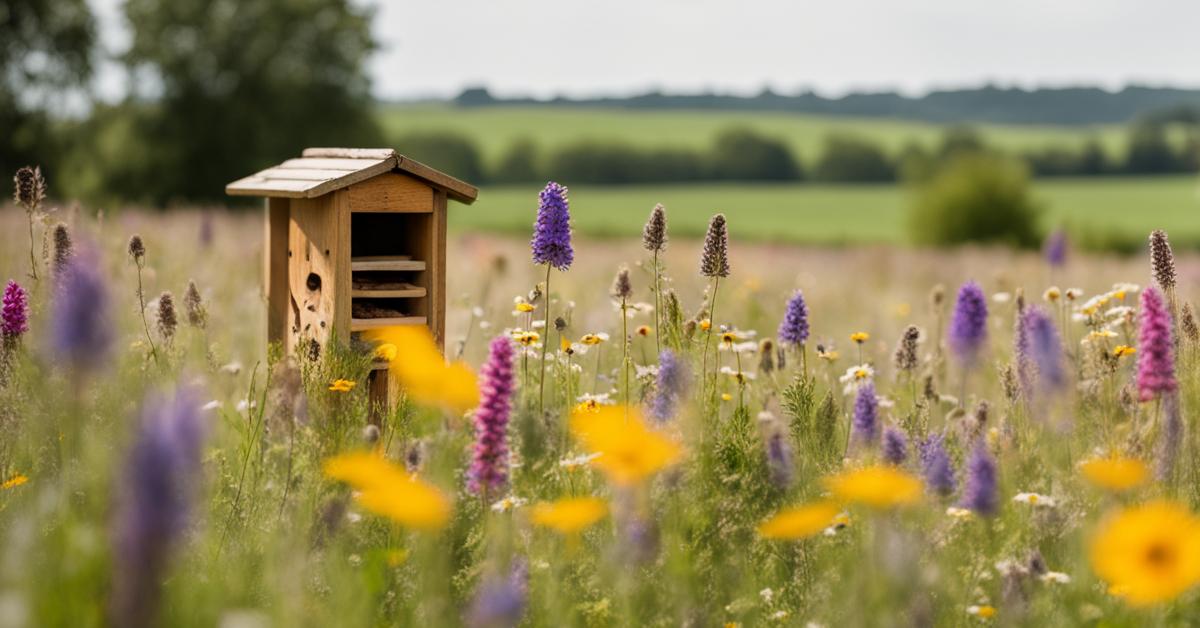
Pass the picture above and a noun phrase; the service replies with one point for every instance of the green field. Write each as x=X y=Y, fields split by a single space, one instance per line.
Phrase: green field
x=1128 y=207
x=495 y=128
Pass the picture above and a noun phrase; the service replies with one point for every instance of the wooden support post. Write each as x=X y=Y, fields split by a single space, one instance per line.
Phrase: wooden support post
x=275 y=268
x=378 y=402
x=437 y=270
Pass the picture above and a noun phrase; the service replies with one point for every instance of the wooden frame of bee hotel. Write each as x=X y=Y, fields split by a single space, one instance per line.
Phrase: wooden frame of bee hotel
x=355 y=240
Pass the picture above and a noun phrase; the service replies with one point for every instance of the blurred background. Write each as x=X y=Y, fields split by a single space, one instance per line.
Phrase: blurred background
x=929 y=122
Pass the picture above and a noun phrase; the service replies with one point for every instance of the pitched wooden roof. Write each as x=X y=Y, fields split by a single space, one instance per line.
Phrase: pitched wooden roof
x=319 y=171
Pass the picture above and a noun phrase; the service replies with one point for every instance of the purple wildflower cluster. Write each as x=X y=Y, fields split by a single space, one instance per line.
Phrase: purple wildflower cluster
x=154 y=501
x=968 y=326
x=500 y=599
x=979 y=492
x=794 y=328
x=936 y=466
x=895 y=446
x=1156 y=360
x=551 y=242
x=1044 y=349
x=489 y=470
x=14 y=315
x=866 y=413
x=670 y=386
x=81 y=332
x=1055 y=248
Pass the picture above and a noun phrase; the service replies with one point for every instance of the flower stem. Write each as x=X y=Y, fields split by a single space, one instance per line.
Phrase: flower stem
x=657 y=305
x=32 y=259
x=625 y=353
x=545 y=330
x=712 y=322
x=142 y=309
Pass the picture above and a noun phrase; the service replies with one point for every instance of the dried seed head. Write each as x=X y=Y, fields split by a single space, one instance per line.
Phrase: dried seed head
x=1162 y=260
x=937 y=296
x=654 y=234
x=622 y=288
x=167 y=321
x=137 y=248
x=714 y=259
x=1008 y=379
x=560 y=324
x=929 y=391
x=766 y=356
x=196 y=314
x=62 y=248
x=1191 y=329
x=29 y=188
x=906 y=352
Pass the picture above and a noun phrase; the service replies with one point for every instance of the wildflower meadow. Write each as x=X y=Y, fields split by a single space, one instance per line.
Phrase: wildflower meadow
x=640 y=431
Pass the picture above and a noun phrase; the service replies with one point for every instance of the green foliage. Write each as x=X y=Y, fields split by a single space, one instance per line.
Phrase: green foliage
x=518 y=164
x=237 y=86
x=45 y=52
x=975 y=198
x=741 y=154
x=853 y=159
x=448 y=151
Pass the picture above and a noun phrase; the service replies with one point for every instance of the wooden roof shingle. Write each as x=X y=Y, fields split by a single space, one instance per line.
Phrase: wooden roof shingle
x=319 y=171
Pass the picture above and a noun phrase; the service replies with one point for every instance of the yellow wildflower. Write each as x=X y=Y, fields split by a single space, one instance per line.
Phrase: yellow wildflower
x=629 y=450
x=984 y=611
x=799 y=522
x=706 y=324
x=879 y=486
x=1052 y=294
x=587 y=405
x=524 y=308
x=1115 y=473
x=342 y=385
x=564 y=345
x=386 y=351
x=593 y=339
x=14 y=481
x=1148 y=553
x=387 y=490
x=569 y=516
x=1121 y=351
x=726 y=397
x=828 y=356
x=729 y=337
x=643 y=330
x=527 y=338
x=423 y=372
x=860 y=337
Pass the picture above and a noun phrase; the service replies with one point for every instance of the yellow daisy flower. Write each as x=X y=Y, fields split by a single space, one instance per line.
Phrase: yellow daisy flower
x=1121 y=351
x=1115 y=473
x=14 y=481
x=342 y=385
x=569 y=516
x=1149 y=553
x=799 y=522
x=388 y=490
x=879 y=486
x=629 y=450
x=860 y=337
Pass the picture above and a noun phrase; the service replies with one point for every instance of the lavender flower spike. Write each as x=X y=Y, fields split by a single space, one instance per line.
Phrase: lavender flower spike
x=669 y=387
x=14 y=315
x=1156 y=359
x=1022 y=354
x=936 y=467
x=1045 y=348
x=866 y=413
x=1055 y=248
x=779 y=459
x=794 y=328
x=551 y=242
x=154 y=502
x=489 y=470
x=500 y=600
x=968 y=326
x=895 y=446
x=979 y=493
x=81 y=332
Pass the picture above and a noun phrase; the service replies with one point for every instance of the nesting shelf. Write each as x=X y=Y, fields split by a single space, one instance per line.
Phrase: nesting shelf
x=386 y=262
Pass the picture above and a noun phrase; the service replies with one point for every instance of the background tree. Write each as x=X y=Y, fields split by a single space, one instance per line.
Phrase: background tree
x=853 y=159
x=976 y=197
x=221 y=88
x=447 y=151
x=744 y=155
x=45 y=51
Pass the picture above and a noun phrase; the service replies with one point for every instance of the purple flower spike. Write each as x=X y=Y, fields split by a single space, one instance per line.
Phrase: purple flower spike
x=979 y=493
x=794 y=328
x=81 y=332
x=968 y=326
x=500 y=599
x=1045 y=347
x=15 y=313
x=866 y=413
x=489 y=470
x=551 y=242
x=779 y=459
x=1156 y=359
x=936 y=466
x=1056 y=248
x=1022 y=355
x=153 y=503
x=895 y=446
x=670 y=386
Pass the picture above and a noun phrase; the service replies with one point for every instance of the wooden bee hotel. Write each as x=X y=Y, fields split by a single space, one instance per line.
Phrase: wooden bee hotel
x=355 y=240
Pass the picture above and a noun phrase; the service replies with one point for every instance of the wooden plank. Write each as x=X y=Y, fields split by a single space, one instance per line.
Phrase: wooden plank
x=397 y=293
x=378 y=402
x=350 y=153
x=457 y=189
x=386 y=262
x=341 y=265
x=312 y=274
x=361 y=324
x=437 y=274
x=347 y=165
x=255 y=186
x=300 y=174
x=391 y=192
x=275 y=267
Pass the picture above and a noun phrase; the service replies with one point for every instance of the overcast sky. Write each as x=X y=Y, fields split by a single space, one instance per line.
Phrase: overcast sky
x=582 y=47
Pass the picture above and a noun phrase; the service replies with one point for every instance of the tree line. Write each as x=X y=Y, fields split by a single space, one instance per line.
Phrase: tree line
x=1155 y=145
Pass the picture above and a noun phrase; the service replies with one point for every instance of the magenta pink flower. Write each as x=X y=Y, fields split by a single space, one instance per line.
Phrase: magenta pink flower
x=489 y=470
x=1156 y=359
